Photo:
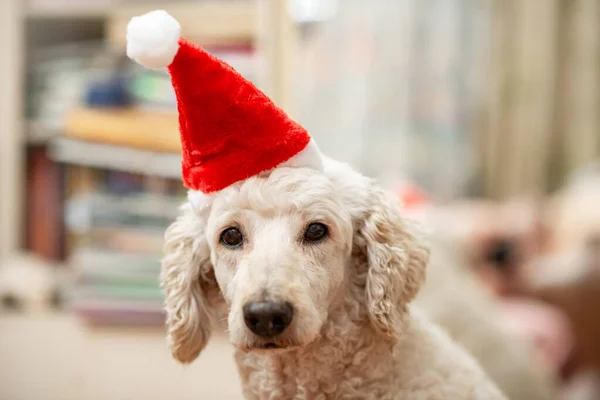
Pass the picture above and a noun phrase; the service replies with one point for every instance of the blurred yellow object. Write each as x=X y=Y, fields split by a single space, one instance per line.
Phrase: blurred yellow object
x=125 y=127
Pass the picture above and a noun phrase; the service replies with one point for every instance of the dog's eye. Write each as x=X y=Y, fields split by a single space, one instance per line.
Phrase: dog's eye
x=316 y=232
x=232 y=238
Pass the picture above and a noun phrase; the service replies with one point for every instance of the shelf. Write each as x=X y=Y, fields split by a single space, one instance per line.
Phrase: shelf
x=206 y=22
x=61 y=12
x=66 y=9
x=96 y=9
x=119 y=158
x=212 y=22
x=144 y=130
x=37 y=134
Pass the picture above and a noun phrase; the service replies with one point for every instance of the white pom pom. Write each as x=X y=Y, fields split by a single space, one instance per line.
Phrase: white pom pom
x=152 y=39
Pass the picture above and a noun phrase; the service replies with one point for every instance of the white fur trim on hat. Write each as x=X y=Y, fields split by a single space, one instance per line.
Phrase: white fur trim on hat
x=199 y=201
x=152 y=39
x=309 y=157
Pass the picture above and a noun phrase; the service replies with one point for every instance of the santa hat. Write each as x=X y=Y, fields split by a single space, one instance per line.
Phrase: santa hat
x=230 y=130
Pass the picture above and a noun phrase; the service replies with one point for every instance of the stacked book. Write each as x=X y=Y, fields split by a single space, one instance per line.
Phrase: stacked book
x=116 y=288
x=116 y=248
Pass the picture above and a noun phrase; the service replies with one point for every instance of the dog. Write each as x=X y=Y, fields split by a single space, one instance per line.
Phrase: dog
x=567 y=275
x=512 y=362
x=314 y=273
x=477 y=265
x=30 y=284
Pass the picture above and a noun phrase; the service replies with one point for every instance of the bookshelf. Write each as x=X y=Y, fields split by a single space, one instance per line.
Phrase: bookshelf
x=84 y=180
x=28 y=26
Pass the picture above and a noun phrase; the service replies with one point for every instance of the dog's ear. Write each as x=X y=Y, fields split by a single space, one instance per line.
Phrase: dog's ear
x=396 y=258
x=192 y=294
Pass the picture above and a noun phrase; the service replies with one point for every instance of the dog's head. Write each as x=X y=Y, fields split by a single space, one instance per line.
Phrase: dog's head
x=276 y=253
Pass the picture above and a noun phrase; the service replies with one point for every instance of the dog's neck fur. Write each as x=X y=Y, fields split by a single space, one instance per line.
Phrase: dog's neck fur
x=332 y=364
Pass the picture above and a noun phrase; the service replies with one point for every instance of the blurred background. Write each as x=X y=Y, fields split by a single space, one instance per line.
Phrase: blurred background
x=482 y=115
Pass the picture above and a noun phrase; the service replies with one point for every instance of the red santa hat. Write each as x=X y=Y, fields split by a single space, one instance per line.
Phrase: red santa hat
x=230 y=130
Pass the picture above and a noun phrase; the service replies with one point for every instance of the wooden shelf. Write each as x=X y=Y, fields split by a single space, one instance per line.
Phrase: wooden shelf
x=145 y=130
x=206 y=22
x=119 y=158
x=62 y=12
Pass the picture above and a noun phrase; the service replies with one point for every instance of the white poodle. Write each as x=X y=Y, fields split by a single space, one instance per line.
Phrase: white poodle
x=454 y=299
x=314 y=273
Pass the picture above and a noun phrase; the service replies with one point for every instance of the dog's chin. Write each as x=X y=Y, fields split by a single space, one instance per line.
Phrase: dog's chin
x=292 y=339
x=266 y=346
x=271 y=346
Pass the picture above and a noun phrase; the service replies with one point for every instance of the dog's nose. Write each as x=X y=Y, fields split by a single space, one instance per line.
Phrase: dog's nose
x=268 y=318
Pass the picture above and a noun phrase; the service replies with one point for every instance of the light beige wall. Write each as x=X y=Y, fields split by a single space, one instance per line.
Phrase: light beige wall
x=11 y=134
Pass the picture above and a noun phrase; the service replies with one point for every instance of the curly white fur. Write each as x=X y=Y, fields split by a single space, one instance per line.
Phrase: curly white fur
x=354 y=335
